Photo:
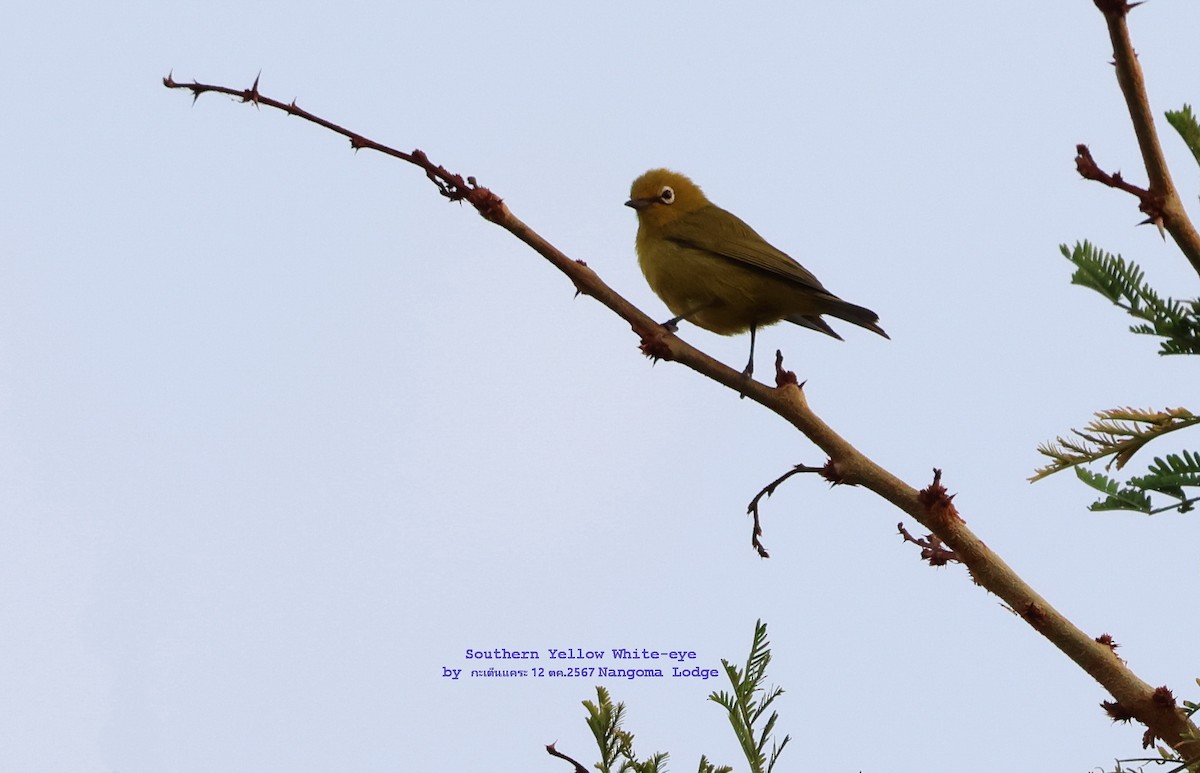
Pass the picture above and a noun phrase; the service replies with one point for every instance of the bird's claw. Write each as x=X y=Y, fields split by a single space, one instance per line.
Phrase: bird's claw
x=747 y=374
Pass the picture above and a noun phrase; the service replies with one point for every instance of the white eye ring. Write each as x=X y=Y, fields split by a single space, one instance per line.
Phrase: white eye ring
x=667 y=195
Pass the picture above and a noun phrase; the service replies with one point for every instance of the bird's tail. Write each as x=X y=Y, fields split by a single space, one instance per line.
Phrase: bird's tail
x=858 y=315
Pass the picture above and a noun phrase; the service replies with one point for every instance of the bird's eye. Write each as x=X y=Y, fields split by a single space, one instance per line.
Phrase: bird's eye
x=667 y=195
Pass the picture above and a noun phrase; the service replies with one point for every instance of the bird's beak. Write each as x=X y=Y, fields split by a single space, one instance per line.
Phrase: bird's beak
x=640 y=204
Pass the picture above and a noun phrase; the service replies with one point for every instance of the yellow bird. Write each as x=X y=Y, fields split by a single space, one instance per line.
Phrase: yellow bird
x=715 y=271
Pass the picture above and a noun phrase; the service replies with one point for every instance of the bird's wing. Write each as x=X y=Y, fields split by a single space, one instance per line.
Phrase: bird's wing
x=713 y=229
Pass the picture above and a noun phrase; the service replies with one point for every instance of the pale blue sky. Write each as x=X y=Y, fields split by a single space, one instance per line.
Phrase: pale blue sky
x=282 y=433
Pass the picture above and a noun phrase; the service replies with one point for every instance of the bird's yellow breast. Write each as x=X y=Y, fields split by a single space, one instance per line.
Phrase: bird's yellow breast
x=712 y=291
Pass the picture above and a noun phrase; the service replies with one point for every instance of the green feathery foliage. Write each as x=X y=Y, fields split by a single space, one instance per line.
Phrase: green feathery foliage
x=745 y=711
x=744 y=704
x=1185 y=123
x=604 y=720
x=616 y=744
x=1120 y=433
x=1116 y=432
x=1124 y=284
x=708 y=767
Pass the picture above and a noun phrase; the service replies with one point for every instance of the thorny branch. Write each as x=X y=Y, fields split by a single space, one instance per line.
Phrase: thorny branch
x=450 y=185
x=1161 y=201
x=932 y=506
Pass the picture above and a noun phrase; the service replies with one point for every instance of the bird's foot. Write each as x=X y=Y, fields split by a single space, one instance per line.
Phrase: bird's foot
x=748 y=375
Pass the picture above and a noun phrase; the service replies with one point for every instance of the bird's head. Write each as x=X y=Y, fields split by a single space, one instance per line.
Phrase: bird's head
x=660 y=196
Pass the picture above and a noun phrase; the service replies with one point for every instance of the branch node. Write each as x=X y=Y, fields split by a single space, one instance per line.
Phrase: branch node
x=1107 y=640
x=1116 y=712
x=581 y=289
x=1033 y=614
x=654 y=343
x=832 y=472
x=1163 y=698
x=785 y=377
x=1116 y=8
x=252 y=96
x=932 y=550
x=937 y=501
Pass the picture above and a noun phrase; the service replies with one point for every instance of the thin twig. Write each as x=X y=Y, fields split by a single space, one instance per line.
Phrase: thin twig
x=932 y=551
x=767 y=491
x=450 y=185
x=556 y=753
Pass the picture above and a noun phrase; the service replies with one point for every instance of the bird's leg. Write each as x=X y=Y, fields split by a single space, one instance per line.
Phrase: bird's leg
x=672 y=324
x=749 y=371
